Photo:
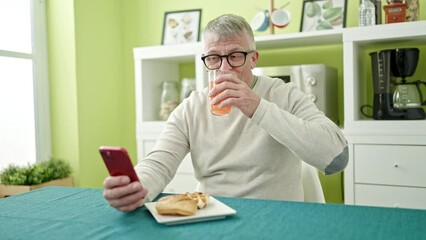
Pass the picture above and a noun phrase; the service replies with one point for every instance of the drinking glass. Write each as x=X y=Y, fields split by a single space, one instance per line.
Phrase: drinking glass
x=215 y=108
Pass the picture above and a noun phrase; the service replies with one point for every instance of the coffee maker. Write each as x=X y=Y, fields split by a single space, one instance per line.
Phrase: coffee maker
x=393 y=99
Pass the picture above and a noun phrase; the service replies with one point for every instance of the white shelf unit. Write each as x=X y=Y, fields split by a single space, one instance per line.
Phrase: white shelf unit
x=387 y=159
x=355 y=43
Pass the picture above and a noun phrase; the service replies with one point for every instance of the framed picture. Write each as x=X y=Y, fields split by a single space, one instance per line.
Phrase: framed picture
x=323 y=14
x=181 y=27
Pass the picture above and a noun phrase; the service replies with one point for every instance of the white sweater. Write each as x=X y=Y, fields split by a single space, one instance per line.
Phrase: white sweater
x=236 y=156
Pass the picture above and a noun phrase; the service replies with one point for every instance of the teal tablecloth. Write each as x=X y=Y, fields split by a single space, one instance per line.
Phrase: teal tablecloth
x=79 y=213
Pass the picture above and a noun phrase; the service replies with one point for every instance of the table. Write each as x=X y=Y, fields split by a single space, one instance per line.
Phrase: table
x=82 y=213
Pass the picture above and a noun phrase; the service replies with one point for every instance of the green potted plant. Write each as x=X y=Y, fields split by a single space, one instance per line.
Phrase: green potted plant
x=18 y=179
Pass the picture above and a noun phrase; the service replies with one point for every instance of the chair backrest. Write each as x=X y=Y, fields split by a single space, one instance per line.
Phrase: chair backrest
x=311 y=184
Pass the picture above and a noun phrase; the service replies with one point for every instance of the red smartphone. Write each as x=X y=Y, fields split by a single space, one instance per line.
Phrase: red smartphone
x=118 y=162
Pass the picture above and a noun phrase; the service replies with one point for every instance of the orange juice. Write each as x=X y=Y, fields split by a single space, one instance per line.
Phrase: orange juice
x=215 y=108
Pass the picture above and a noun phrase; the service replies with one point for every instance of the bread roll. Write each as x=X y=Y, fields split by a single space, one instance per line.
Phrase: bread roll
x=201 y=198
x=177 y=205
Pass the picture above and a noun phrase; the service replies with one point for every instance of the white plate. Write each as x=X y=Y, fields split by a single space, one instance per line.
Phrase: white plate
x=215 y=209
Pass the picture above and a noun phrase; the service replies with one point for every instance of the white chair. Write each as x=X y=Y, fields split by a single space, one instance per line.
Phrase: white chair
x=312 y=188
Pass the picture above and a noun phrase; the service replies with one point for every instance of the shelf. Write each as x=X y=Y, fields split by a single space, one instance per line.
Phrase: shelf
x=186 y=52
x=388 y=127
x=303 y=39
x=412 y=31
x=178 y=53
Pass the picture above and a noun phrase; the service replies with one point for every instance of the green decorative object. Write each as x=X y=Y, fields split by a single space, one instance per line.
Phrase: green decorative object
x=320 y=15
x=37 y=173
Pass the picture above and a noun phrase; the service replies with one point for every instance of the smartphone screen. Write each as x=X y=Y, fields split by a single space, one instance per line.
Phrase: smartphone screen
x=118 y=162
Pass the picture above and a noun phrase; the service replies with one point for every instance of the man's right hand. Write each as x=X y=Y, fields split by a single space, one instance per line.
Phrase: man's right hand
x=122 y=194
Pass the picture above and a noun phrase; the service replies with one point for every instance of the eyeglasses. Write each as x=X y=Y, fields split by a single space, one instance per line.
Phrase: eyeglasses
x=235 y=59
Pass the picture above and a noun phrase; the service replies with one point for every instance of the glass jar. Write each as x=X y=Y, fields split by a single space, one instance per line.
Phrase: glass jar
x=169 y=99
x=188 y=85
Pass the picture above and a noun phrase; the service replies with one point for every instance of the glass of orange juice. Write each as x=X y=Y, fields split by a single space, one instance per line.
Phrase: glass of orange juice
x=215 y=108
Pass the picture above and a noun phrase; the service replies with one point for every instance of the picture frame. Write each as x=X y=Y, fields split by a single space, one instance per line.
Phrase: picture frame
x=320 y=15
x=181 y=27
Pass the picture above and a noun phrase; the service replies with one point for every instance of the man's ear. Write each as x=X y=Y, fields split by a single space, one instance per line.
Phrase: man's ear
x=254 y=58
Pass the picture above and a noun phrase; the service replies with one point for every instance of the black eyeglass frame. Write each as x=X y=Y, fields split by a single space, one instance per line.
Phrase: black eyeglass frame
x=227 y=58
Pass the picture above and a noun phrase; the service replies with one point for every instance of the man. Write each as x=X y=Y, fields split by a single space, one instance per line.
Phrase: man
x=256 y=150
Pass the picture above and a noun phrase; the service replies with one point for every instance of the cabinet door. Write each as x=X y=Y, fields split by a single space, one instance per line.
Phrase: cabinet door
x=400 y=165
x=390 y=196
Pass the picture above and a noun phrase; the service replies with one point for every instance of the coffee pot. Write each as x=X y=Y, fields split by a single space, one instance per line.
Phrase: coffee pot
x=408 y=95
x=404 y=64
x=393 y=99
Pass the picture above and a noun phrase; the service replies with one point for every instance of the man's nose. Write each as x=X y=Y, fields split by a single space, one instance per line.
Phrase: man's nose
x=225 y=64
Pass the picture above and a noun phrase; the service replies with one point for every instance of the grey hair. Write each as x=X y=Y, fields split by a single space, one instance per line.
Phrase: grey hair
x=227 y=26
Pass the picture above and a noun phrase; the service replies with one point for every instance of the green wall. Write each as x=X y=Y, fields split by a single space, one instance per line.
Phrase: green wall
x=92 y=100
x=63 y=89
x=92 y=79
